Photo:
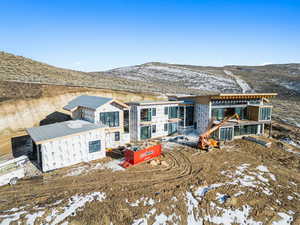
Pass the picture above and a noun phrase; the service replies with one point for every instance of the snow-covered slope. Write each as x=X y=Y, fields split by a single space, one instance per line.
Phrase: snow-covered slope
x=204 y=80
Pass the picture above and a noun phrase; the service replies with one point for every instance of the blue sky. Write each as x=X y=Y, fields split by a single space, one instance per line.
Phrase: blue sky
x=99 y=35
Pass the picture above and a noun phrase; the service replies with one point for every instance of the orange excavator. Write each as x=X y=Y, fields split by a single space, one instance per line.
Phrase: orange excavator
x=205 y=142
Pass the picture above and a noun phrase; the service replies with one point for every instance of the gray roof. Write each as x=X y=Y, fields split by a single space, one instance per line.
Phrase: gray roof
x=56 y=130
x=92 y=102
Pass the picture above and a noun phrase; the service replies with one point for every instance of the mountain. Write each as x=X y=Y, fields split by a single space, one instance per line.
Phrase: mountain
x=283 y=79
x=162 y=78
x=21 y=69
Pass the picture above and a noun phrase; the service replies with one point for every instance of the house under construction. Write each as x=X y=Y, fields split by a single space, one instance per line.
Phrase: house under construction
x=101 y=123
x=198 y=113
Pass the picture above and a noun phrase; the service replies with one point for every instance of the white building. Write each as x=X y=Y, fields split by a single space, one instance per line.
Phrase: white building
x=103 y=111
x=67 y=143
x=153 y=119
x=254 y=110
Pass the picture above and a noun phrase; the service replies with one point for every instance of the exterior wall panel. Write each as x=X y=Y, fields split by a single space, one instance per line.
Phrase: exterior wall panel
x=71 y=150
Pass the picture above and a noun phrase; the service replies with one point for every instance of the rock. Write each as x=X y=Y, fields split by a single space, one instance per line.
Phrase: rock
x=153 y=163
x=164 y=163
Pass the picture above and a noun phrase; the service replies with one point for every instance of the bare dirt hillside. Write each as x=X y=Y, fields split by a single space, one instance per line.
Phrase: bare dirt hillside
x=21 y=69
x=25 y=105
x=283 y=79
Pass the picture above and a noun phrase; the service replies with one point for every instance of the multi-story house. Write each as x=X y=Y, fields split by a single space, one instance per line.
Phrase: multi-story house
x=254 y=111
x=108 y=112
x=153 y=119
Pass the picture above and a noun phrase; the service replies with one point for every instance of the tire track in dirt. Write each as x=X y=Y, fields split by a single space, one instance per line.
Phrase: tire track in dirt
x=178 y=171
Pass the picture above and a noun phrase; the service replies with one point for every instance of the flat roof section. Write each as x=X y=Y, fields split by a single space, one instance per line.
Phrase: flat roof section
x=49 y=132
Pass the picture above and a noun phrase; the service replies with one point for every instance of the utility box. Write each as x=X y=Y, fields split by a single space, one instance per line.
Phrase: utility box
x=134 y=156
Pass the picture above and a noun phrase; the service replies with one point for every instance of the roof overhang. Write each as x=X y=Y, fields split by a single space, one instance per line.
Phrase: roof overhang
x=243 y=96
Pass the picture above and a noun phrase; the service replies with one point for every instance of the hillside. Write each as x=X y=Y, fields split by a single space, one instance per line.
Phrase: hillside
x=283 y=79
x=21 y=69
x=160 y=78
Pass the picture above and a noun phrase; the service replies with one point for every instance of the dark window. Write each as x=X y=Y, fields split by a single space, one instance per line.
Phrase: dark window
x=126 y=121
x=166 y=110
x=146 y=115
x=265 y=113
x=110 y=119
x=173 y=112
x=153 y=111
x=245 y=130
x=94 y=146
x=242 y=112
x=218 y=114
x=145 y=132
x=172 y=128
x=117 y=136
x=189 y=118
x=153 y=128
x=226 y=134
x=165 y=127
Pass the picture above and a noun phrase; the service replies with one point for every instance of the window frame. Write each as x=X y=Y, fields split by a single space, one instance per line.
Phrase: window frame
x=153 y=112
x=92 y=144
x=117 y=136
x=111 y=119
x=153 y=129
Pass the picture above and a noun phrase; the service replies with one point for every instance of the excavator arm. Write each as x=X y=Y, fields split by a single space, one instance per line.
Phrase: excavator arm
x=203 y=142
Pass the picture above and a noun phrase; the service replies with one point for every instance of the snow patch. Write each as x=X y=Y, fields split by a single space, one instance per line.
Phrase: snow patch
x=285 y=219
x=230 y=216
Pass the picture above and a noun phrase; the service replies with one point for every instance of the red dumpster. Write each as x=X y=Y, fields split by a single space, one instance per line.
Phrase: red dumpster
x=135 y=157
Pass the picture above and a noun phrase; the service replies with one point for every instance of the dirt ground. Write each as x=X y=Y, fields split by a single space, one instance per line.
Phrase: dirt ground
x=148 y=192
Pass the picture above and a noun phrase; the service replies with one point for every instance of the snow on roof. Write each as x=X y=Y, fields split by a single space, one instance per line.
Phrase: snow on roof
x=62 y=129
x=92 y=102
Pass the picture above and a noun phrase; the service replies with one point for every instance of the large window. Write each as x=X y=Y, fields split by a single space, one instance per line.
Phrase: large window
x=173 y=112
x=186 y=114
x=265 y=113
x=126 y=121
x=172 y=128
x=242 y=112
x=226 y=134
x=218 y=114
x=146 y=115
x=110 y=119
x=94 y=146
x=189 y=118
x=245 y=130
x=145 y=132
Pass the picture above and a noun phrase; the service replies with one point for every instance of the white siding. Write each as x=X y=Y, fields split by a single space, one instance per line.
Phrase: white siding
x=159 y=120
x=71 y=150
